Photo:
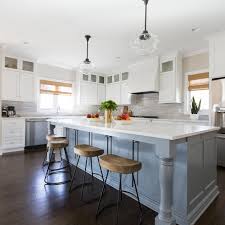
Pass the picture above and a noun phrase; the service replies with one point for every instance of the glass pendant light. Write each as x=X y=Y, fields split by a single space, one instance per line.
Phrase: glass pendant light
x=87 y=65
x=147 y=42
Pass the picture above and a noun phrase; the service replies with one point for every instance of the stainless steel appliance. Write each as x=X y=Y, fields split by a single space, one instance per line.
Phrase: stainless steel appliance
x=36 y=131
x=218 y=103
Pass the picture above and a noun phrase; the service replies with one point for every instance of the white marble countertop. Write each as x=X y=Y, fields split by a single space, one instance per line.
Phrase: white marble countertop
x=147 y=128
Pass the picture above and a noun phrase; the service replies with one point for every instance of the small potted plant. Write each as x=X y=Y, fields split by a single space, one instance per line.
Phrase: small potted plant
x=108 y=106
x=195 y=109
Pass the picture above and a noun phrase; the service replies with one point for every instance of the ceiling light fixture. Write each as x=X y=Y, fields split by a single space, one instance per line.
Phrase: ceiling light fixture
x=87 y=65
x=147 y=42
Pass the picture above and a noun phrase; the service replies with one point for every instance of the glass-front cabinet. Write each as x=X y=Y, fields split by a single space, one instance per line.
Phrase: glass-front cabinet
x=167 y=66
x=18 y=64
x=11 y=63
x=27 y=66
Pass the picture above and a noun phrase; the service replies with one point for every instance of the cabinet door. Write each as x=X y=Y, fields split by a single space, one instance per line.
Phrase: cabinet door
x=101 y=93
x=10 y=85
x=26 y=87
x=113 y=92
x=88 y=93
x=125 y=95
x=167 y=92
x=218 y=59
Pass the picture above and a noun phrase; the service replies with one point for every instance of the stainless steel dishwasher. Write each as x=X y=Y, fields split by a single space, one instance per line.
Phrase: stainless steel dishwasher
x=36 y=131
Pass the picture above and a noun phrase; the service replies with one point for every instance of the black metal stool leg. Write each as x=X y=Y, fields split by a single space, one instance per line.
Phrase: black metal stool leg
x=139 y=204
x=100 y=169
x=68 y=162
x=102 y=193
x=85 y=171
x=92 y=174
x=49 y=164
x=74 y=174
x=44 y=161
x=119 y=199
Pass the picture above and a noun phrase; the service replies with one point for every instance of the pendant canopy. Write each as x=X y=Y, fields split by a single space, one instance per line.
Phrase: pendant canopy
x=146 y=43
x=87 y=65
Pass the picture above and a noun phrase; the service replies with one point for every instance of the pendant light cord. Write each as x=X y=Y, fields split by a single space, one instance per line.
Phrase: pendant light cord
x=146 y=3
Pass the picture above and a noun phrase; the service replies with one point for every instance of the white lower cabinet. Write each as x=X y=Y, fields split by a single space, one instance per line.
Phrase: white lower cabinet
x=13 y=134
x=17 y=86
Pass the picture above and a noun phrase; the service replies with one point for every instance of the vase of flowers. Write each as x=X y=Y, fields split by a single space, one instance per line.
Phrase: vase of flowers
x=195 y=109
x=108 y=106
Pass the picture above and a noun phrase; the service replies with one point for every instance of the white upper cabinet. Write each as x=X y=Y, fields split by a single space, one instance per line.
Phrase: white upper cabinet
x=26 y=87
x=10 y=85
x=101 y=94
x=216 y=56
x=17 y=79
x=144 y=76
x=117 y=88
x=125 y=96
x=170 y=78
x=90 y=89
x=88 y=94
x=113 y=92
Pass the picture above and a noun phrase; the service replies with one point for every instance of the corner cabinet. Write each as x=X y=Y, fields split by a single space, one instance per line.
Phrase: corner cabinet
x=170 y=79
x=17 y=80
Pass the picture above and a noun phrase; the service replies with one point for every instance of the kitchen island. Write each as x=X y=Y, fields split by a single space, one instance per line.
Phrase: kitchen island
x=178 y=178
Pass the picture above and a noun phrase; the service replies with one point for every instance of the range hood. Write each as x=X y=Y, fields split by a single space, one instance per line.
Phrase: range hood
x=144 y=76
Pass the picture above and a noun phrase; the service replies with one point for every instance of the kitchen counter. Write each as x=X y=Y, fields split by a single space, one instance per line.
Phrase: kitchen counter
x=146 y=128
x=175 y=156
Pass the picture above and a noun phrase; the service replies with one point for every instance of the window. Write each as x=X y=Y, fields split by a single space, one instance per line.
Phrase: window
x=198 y=87
x=55 y=96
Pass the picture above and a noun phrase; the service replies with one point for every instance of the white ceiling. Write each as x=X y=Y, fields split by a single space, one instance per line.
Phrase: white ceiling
x=55 y=29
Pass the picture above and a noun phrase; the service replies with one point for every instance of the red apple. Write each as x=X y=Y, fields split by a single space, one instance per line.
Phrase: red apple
x=88 y=115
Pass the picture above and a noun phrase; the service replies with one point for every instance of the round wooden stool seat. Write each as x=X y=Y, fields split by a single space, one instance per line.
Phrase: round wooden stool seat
x=58 y=144
x=118 y=164
x=52 y=137
x=88 y=150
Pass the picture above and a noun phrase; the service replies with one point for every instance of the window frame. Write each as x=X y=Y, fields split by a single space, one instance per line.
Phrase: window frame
x=187 y=93
x=54 y=109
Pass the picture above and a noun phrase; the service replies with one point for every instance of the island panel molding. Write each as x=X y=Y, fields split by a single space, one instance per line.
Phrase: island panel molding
x=172 y=176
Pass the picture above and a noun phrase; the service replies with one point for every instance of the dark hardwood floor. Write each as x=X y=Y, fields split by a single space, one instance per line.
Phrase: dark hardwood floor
x=24 y=200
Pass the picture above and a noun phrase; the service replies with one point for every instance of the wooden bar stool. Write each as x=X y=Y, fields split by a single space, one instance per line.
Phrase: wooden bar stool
x=56 y=146
x=50 y=137
x=88 y=152
x=120 y=165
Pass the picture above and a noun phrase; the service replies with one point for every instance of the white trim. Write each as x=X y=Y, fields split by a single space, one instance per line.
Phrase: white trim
x=198 y=52
x=186 y=98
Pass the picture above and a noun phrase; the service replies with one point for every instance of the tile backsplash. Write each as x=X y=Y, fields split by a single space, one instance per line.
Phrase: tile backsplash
x=21 y=107
x=143 y=105
x=148 y=105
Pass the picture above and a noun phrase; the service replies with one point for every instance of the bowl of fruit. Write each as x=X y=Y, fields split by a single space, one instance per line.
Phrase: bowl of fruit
x=93 y=117
x=123 y=119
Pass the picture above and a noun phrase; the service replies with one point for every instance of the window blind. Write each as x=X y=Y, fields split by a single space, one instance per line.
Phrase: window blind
x=55 y=88
x=198 y=82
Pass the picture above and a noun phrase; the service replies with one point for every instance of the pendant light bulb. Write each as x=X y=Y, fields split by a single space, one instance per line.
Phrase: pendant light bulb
x=146 y=43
